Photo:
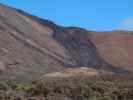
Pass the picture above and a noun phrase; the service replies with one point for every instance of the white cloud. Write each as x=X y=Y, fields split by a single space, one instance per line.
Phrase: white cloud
x=127 y=24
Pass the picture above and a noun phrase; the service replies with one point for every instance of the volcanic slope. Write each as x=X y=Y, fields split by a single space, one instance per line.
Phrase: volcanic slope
x=31 y=47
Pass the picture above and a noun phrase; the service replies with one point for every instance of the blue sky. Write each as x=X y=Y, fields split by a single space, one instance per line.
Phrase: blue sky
x=97 y=15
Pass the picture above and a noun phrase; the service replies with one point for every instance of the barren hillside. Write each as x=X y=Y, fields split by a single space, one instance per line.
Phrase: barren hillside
x=31 y=47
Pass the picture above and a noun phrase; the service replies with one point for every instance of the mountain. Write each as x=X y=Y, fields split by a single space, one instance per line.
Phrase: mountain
x=31 y=47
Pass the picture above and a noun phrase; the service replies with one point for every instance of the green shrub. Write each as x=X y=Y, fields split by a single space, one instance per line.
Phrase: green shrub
x=74 y=88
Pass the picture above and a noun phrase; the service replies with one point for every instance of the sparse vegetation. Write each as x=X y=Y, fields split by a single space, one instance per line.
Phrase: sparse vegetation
x=79 y=88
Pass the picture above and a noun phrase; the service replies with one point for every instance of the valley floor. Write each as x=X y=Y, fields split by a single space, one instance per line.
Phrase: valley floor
x=72 y=88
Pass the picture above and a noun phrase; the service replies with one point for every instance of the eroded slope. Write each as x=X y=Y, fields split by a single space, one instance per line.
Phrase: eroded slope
x=32 y=47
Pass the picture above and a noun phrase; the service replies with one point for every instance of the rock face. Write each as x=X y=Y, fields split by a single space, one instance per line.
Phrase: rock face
x=31 y=47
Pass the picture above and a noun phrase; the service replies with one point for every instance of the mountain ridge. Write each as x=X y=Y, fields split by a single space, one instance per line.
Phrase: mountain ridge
x=32 y=47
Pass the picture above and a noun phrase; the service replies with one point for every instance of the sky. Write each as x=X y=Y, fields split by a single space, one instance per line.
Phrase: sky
x=96 y=15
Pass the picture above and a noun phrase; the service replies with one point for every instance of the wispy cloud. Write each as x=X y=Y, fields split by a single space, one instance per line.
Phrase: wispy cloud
x=127 y=24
